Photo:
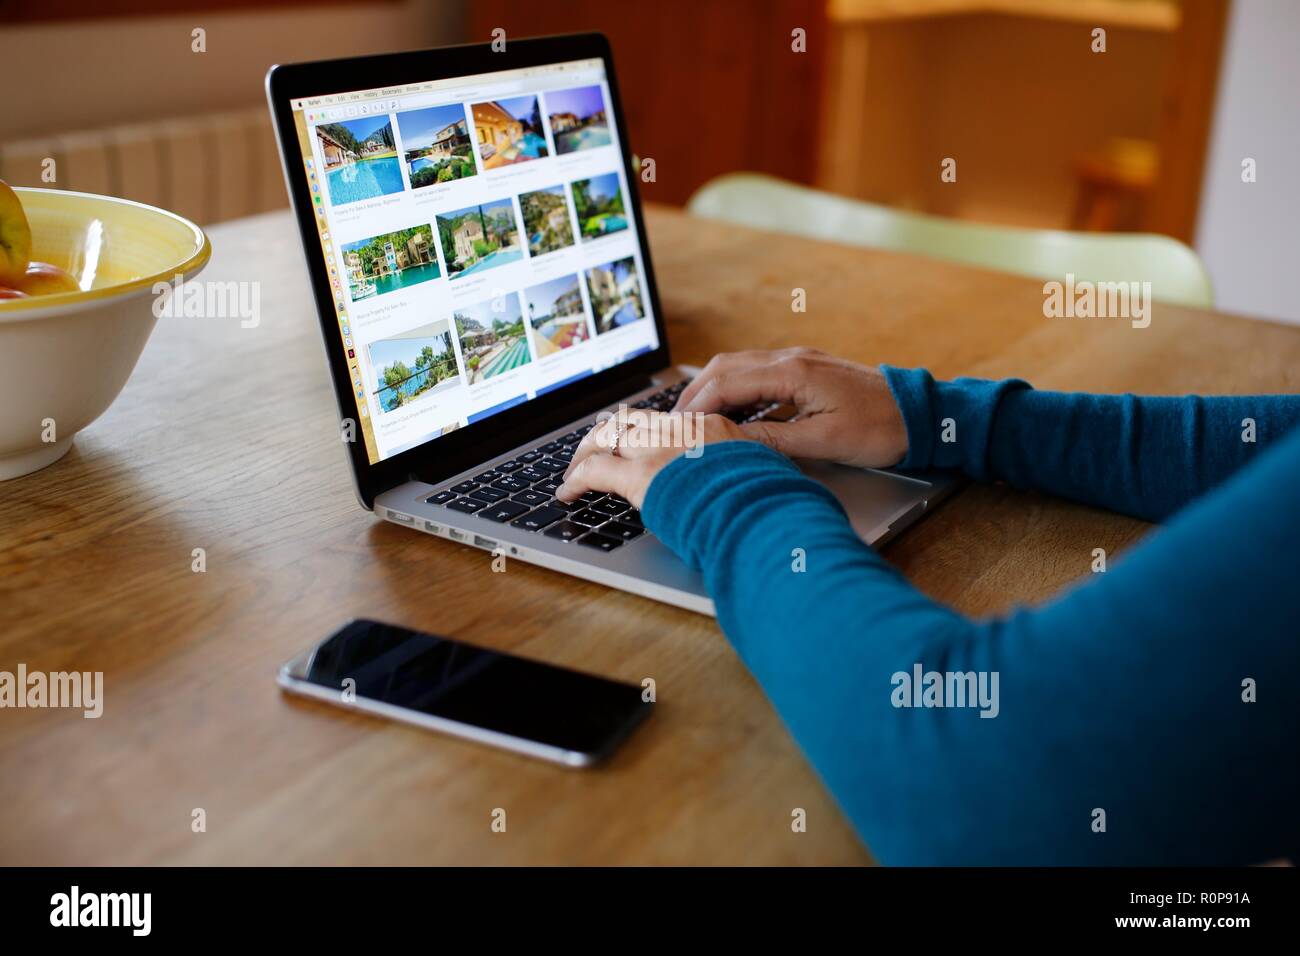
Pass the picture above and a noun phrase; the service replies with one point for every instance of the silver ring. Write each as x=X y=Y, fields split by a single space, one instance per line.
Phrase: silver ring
x=618 y=436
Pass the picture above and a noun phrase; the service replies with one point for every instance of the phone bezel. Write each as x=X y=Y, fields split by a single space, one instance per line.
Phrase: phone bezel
x=292 y=677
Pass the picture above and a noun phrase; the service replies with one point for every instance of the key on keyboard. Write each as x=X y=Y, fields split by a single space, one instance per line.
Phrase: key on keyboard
x=504 y=511
x=566 y=531
x=602 y=541
x=468 y=505
x=510 y=483
x=620 y=530
x=539 y=519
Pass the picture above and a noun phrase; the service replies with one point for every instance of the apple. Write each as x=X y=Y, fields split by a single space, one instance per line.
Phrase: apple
x=7 y=293
x=41 y=278
x=15 y=238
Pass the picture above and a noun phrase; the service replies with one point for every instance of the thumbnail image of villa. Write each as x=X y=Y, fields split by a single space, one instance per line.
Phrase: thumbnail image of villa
x=395 y=260
x=556 y=314
x=599 y=203
x=437 y=145
x=414 y=365
x=390 y=262
x=360 y=159
x=615 y=292
x=492 y=338
x=546 y=220
x=577 y=119
x=479 y=237
x=509 y=131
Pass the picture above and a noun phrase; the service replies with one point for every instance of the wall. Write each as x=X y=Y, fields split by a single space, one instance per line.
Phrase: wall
x=1015 y=100
x=1249 y=233
x=708 y=86
x=86 y=74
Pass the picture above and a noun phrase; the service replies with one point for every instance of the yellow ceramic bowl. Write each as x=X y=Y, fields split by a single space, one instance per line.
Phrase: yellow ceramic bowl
x=65 y=357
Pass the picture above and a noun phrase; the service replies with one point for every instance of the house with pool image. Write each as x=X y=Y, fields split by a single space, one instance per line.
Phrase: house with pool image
x=392 y=261
x=479 y=237
x=359 y=159
x=578 y=119
x=615 y=293
x=492 y=339
x=599 y=204
x=557 y=315
x=546 y=220
x=436 y=145
x=509 y=131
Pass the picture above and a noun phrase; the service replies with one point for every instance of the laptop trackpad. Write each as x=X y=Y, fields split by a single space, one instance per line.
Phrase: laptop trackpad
x=873 y=499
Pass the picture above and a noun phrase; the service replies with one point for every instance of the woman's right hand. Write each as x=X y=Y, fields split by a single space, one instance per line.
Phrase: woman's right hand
x=846 y=414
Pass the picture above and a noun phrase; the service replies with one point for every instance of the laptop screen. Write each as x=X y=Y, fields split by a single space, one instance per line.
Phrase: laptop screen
x=479 y=240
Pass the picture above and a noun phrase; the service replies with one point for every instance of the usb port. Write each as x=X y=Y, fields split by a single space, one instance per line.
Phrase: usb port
x=483 y=542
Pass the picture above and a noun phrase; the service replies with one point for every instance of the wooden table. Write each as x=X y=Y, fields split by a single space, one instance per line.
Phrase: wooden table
x=225 y=439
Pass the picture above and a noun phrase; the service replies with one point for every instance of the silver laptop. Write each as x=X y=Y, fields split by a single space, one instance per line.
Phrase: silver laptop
x=476 y=246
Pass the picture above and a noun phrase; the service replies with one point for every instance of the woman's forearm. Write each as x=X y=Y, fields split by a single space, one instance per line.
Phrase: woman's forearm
x=1123 y=697
x=1142 y=456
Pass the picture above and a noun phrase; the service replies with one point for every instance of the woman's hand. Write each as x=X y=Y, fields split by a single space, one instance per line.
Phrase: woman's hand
x=846 y=411
x=646 y=442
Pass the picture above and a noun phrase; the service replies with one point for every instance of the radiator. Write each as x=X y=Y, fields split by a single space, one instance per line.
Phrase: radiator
x=208 y=168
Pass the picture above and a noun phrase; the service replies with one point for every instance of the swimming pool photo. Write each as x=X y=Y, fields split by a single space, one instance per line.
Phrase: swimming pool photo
x=577 y=119
x=492 y=339
x=509 y=131
x=436 y=144
x=615 y=293
x=360 y=159
x=392 y=261
x=599 y=203
x=414 y=365
x=500 y=257
x=479 y=237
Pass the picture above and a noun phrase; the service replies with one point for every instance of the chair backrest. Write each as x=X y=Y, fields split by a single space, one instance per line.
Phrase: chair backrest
x=764 y=202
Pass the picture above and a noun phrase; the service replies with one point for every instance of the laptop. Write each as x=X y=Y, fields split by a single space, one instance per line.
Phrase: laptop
x=477 y=250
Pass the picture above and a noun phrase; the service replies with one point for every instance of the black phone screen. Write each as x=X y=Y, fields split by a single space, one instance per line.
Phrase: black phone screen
x=483 y=688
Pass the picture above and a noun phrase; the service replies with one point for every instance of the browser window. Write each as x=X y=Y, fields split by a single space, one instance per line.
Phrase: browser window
x=479 y=241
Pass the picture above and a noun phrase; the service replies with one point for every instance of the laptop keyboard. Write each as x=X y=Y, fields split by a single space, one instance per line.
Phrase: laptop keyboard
x=521 y=492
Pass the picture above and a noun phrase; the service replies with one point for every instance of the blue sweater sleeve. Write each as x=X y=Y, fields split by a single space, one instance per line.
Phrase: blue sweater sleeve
x=1142 y=456
x=1148 y=716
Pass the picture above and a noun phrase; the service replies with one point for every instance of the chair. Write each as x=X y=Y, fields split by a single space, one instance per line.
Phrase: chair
x=764 y=202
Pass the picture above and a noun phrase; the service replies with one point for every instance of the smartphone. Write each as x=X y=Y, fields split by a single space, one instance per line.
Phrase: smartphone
x=498 y=699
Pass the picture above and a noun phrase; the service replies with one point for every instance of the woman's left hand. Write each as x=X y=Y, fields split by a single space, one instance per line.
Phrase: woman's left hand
x=623 y=454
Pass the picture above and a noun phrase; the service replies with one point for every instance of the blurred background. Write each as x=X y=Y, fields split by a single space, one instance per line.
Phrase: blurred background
x=1047 y=132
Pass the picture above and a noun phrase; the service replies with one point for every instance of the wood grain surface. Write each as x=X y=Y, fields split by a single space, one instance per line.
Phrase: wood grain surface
x=225 y=439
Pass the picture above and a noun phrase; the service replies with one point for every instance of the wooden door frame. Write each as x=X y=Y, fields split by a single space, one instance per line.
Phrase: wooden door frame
x=1187 y=119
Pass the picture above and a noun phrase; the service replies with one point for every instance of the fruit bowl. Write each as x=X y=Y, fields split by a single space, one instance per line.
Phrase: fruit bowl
x=65 y=356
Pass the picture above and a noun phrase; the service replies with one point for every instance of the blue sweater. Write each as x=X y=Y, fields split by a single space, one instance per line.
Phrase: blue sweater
x=1146 y=716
